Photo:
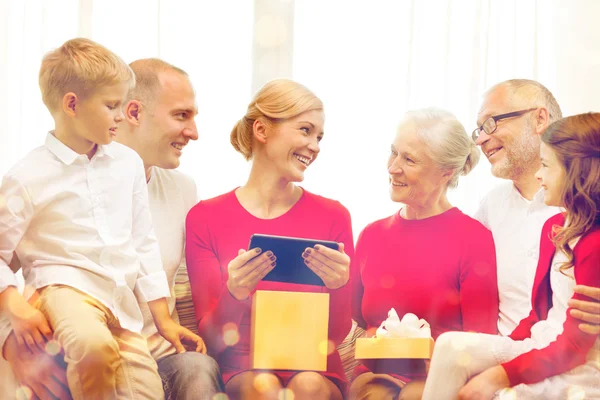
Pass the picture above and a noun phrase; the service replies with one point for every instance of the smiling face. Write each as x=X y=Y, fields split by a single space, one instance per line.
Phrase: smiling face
x=414 y=178
x=513 y=148
x=292 y=145
x=551 y=175
x=98 y=115
x=169 y=122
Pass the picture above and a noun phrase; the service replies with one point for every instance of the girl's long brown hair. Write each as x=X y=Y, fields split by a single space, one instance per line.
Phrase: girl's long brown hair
x=576 y=142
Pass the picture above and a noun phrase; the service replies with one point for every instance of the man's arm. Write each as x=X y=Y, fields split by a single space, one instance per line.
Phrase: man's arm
x=152 y=281
x=5 y=328
x=16 y=212
x=42 y=373
x=587 y=311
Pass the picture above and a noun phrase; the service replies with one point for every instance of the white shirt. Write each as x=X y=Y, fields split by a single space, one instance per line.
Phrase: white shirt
x=516 y=225
x=171 y=194
x=83 y=223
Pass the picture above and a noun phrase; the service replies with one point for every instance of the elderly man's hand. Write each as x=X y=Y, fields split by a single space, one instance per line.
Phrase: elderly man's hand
x=587 y=311
x=39 y=373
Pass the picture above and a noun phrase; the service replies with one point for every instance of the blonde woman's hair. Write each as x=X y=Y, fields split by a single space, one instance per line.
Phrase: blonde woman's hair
x=80 y=66
x=276 y=101
x=446 y=140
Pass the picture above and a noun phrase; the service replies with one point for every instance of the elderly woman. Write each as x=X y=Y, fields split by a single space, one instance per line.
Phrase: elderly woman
x=428 y=258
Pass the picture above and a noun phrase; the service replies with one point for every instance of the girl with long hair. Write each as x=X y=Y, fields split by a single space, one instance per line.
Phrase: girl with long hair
x=547 y=356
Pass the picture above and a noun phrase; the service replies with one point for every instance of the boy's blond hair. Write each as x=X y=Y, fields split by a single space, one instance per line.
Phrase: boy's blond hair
x=80 y=66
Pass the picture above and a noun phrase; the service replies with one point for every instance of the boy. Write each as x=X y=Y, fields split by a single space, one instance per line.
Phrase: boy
x=76 y=214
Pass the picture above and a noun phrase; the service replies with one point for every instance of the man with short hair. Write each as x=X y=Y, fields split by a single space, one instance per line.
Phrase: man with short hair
x=510 y=122
x=159 y=123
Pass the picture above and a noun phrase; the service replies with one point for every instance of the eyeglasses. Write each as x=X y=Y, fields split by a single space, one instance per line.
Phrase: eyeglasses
x=489 y=125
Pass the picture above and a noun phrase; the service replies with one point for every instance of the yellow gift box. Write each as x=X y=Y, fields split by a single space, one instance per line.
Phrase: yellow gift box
x=377 y=348
x=403 y=356
x=289 y=330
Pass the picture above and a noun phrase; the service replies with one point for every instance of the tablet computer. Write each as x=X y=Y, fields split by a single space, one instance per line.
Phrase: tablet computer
x=290 y=265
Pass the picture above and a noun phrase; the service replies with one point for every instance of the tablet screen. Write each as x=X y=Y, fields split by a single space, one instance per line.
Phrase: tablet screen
x=290 y=265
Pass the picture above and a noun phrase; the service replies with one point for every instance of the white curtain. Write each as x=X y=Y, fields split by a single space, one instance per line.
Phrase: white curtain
x=372 y=61
x=368 y=61
x=211 y=40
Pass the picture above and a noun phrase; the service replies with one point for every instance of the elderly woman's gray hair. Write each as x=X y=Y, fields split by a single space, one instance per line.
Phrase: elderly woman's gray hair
x=446 y=140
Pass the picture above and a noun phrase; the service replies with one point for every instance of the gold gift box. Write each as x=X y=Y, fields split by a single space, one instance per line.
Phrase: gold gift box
x=377 y=348
x=289 y=330
x=403 y=356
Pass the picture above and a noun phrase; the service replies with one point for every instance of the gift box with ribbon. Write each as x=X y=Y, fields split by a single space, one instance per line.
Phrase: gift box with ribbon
x=399 y=346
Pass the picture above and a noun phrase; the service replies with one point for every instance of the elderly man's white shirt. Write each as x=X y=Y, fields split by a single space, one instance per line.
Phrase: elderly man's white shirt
x=516 y=225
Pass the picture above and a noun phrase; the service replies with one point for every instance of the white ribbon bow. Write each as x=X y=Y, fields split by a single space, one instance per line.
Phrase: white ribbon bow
x=409 y=327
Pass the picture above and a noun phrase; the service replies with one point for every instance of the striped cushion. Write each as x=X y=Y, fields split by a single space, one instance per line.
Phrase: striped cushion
x=184 y=304
x=346 y=350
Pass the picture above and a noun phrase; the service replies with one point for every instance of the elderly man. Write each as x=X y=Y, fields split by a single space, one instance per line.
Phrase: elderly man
x=510 y=122
x=159 y=123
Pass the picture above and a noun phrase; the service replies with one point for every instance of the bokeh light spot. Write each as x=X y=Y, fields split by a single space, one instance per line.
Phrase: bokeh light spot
x=464 y=359
x=507 y=394
x=575 y=393
x=459 y=342
x=472 y=339
x=387 y=281
x=24 y=393
x=53 y=348
x=326 y=347
x=263 y=382
x=231 y=335
x=15 y=204
x=285 y=394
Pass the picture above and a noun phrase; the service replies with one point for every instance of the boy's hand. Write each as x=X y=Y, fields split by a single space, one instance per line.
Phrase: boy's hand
x=30 y=327
x=178 y=336
x=172 y=331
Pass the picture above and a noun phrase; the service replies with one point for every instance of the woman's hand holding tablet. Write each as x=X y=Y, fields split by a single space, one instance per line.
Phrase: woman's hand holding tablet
x=327 y=263
x=247 y=269
x=332 y=266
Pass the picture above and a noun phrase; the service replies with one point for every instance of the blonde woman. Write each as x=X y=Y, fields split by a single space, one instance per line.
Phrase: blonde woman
x=280 y=133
